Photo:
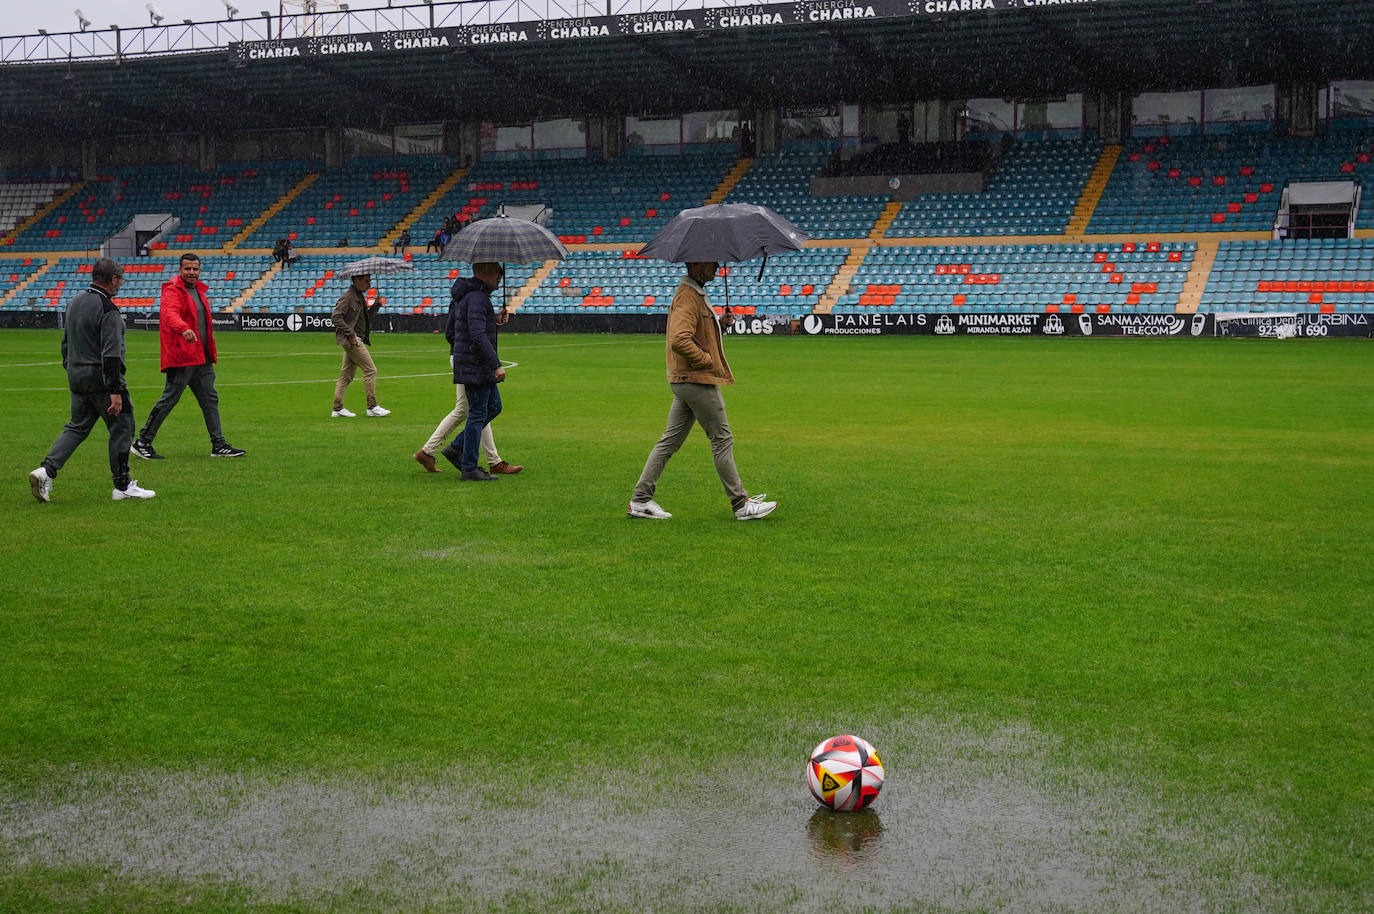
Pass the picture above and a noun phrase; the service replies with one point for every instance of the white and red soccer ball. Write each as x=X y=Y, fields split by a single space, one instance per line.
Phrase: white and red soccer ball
x=844 y=773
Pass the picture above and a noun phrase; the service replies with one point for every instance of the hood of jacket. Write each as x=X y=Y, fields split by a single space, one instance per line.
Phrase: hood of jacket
x=465 y=284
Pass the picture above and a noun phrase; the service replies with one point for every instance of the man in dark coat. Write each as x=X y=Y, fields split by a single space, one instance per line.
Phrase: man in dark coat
x=93 y=354
x=471 y=331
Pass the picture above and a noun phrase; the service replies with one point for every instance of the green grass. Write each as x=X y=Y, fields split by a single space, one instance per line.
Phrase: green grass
x=1157 y=551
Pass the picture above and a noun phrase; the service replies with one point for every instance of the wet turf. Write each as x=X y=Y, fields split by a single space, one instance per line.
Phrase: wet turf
x=1102 y=606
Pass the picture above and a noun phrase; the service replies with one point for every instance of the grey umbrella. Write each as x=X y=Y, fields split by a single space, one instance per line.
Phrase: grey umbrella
x=374 y=266
x=502 y=239
x=724 y=233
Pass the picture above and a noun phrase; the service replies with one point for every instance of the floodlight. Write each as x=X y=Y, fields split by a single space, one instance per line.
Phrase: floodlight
x=81 y=20
x=155 y=15
x=230 y=9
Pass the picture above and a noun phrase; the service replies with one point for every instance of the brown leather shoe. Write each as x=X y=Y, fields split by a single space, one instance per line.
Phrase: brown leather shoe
x=426 y=461
x=504 y=468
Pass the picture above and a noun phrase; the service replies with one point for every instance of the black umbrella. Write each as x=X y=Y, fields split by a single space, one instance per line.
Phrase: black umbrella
x=724 y=233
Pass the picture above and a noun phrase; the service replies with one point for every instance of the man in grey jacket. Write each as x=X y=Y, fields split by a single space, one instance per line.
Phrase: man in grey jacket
x=93 y=354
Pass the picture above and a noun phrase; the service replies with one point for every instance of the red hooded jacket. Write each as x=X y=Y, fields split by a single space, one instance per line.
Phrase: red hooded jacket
x=176 y=315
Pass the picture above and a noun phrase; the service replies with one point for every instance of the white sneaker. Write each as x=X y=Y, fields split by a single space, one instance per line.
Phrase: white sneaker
x=133 y=491
x=648 y=508
x=755 y=508
x=40 y=484
x=377 y=412
x=342 y=413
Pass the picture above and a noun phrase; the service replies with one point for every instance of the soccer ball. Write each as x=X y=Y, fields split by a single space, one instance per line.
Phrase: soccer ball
x=844 y=773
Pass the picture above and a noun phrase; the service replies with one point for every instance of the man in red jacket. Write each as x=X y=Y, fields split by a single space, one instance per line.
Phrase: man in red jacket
x=188 y=359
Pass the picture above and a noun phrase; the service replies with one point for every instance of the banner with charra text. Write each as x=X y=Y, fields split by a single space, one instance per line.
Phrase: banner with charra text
x=806 y=12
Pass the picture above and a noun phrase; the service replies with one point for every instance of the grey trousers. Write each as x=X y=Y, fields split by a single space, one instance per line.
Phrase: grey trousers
x=705 y=404
x=86 y=409
x=201 y=380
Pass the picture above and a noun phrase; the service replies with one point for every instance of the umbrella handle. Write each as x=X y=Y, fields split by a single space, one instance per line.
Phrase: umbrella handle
x=761 y=266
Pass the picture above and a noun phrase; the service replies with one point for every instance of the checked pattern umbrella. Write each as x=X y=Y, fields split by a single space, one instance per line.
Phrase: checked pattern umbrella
x=374 y=266
x=502 y=239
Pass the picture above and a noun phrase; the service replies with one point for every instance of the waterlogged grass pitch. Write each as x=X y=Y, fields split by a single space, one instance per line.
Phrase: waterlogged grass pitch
x=1102 y=607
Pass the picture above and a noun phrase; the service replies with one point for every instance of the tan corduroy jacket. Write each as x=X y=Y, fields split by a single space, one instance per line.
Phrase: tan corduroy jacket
x=695 y=352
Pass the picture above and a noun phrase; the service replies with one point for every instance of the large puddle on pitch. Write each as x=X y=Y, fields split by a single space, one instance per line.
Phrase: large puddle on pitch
x=967 y=821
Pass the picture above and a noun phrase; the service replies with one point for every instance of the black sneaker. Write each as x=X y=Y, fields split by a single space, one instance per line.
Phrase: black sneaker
x=144 y=450
x=477 y=474
x=225 y=449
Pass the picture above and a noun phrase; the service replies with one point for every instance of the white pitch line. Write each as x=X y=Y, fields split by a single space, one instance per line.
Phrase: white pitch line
x=424 y=353
x=218 y=383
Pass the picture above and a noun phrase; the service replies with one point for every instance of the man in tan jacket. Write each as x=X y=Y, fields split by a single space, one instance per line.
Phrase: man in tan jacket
x=696 y=372
x=352 y=319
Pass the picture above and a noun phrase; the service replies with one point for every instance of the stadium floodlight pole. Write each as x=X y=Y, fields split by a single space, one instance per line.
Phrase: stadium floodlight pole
x=230 y=9
x=82 y=22
x=268 y=16
x=155 y=15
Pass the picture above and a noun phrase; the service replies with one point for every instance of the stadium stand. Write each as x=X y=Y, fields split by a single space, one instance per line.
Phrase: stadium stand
x=358 y=203
x=621 y=283
x=13 y=273
x=624 y=200
x=1325 y=275
x=312 y=286
x=211 y=207
x=1145 y=276
x=783 y=181
x=227 y=276
x=1032 y=192
x=1227 y=183
x=19 y=201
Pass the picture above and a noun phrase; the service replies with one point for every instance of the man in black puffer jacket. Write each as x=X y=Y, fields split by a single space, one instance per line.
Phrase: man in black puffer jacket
x=471 y=331
x=458 y=416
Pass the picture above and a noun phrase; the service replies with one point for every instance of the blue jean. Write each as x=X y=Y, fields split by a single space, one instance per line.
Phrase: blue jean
x=484 y=405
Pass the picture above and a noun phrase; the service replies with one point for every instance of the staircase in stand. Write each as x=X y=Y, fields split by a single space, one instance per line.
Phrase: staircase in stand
x=531 y=284
x=420 y=209
x=271 y=211
x=1092 y=191
x=843 y=277
x=889 y=215
x=1191 y=296
x=24 y=283
x=728 y=183
x=247 y=296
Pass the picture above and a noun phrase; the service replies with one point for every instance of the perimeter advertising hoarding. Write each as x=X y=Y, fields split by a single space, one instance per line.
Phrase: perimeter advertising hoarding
x=1309 y=326
x=1182 y=326
x=807 y=12
x=871 y=323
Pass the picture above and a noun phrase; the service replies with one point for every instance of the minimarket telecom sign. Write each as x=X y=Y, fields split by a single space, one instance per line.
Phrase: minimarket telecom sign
x=808 y=12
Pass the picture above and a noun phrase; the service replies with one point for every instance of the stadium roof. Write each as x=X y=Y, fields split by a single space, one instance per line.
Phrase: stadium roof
x=800 y=54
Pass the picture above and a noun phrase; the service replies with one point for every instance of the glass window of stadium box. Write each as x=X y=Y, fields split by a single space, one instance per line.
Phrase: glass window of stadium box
x=1167 y=113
